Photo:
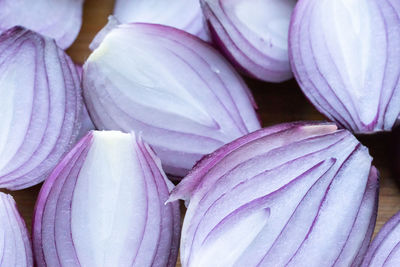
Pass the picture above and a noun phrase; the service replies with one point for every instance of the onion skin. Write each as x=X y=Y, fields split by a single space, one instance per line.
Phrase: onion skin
x=175 y=89
x=296 y=194
x=384 y=249
x=15 y=246
x=348 y=71
x=104 y=205
x=40 y=107
x=60 y=20
x=182 y=14
x=255 y=43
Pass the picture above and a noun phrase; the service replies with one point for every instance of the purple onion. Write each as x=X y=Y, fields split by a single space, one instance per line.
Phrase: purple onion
x=182 y=14
x=104 y=205
x=15 y=246
x=86 y=122
x=385 y=249
x=60 y=20
x=297 y=194
x=253 y=34
x=175 y=89
x=40 y=103
x=345 y=55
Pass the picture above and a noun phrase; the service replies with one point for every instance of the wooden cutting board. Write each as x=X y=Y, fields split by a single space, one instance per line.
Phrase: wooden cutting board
x=277 y=103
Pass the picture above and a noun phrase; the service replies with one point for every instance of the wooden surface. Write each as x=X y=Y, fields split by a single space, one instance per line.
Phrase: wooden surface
x=277 y=103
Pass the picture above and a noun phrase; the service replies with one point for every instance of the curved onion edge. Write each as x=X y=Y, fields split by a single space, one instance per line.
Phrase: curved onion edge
x=70 y=166
x=15 y=245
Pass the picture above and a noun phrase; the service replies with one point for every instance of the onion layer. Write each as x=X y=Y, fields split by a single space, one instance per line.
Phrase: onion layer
x=253 y=34
x=385 y=249
x=291 y=195
x=40 y=103
x=345 y=56
x=172 y=87
x=86 y=122
x=60 y=19
x=15 y=246
x=103 y=205
x=182 y=14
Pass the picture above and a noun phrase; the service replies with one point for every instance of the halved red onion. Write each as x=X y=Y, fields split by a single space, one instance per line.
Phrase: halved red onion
x=253 y=34
x=104 y=205
x=298 y=194
x=40 y=103
x=15 y=246
x=385 y=249
x=345 y=56
x=175 y=89
x=182 y=14
x=60 y=20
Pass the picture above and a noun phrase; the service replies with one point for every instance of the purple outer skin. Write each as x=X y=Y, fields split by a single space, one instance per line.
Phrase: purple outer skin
x=230 y=47
x=72 y=163
x=23 y=232
x=325 y=103
x=364 y=220
x=27 y=174
x=391 y=227
x=9 y=13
